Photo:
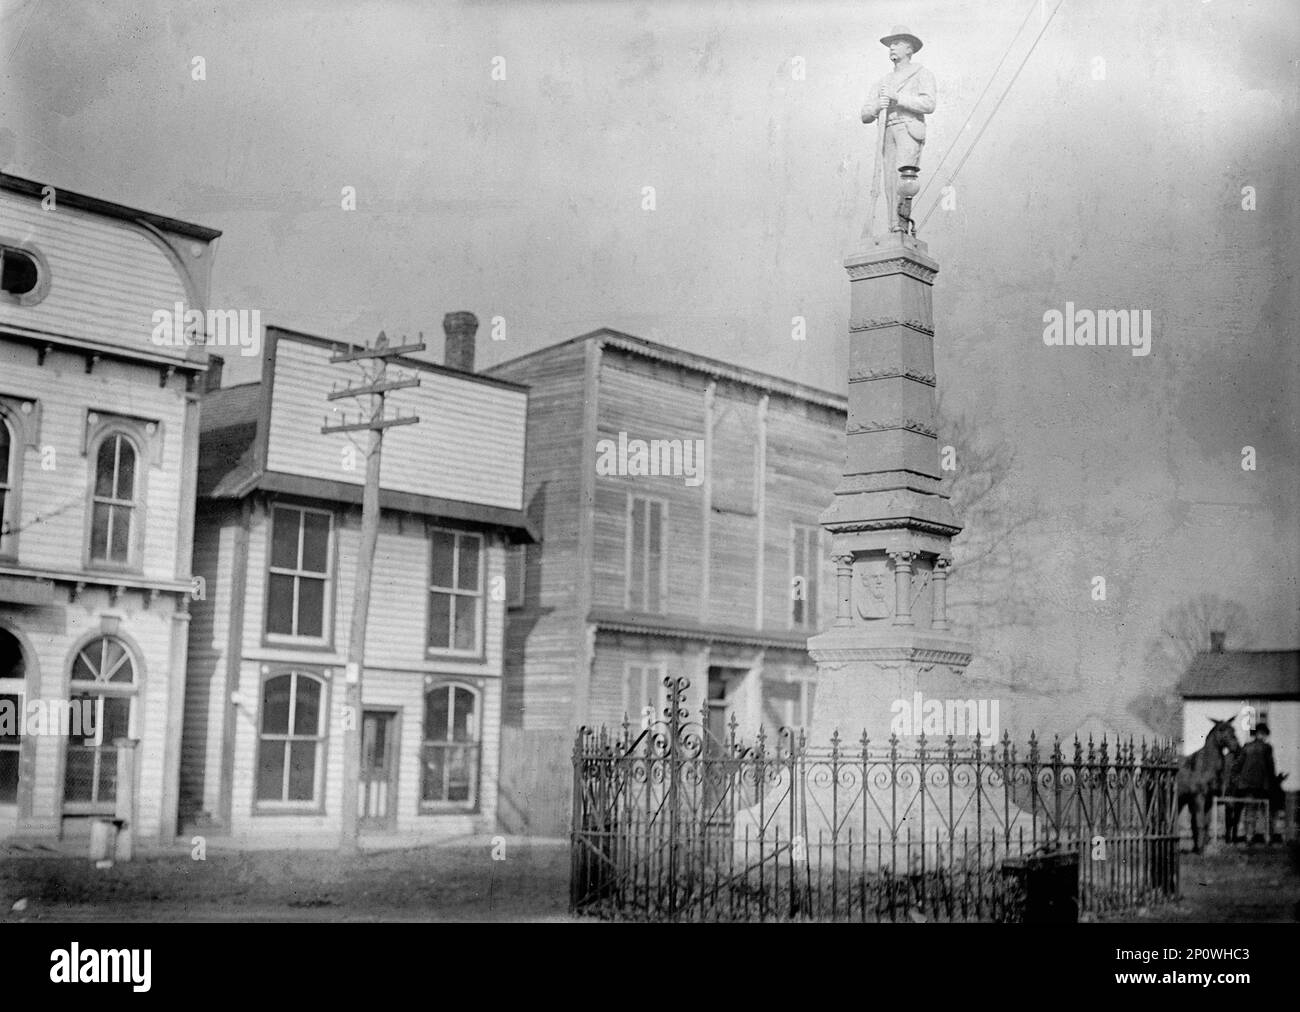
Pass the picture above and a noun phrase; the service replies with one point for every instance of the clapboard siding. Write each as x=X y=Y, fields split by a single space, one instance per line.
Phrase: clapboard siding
x=805 y=456
x=57 y=475
x=381 y=688
x=468 y=445
x=734 y=551
x=107 y=277
x=541 y=637
x=649 y=402
x=50 y=641
x=396 y=628
x=206 y=692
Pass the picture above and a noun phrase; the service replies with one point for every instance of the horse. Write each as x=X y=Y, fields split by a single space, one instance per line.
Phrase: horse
x=1201 y=777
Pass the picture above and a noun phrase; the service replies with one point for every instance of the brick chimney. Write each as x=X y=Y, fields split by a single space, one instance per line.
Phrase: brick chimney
x=212 y=378
x=458 y=351
x=1216 y=642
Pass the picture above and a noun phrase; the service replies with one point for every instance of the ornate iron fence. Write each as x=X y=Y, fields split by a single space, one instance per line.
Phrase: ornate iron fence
x=671 y=824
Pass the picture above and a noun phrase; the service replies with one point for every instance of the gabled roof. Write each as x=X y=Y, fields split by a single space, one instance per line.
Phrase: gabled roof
x=639 y=346
x=1238 y=674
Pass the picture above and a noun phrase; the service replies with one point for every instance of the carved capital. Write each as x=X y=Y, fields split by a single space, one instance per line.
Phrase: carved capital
x=844 y=561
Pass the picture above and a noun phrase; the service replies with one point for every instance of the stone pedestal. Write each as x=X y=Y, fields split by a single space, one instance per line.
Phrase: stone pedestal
x=891 y=524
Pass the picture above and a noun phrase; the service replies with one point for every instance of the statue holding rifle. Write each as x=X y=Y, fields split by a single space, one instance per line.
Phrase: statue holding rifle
x=899 y=104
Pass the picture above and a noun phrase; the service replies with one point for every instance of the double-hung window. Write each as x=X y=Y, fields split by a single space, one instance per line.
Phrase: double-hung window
x=115 y=511
x=455 y=622
x=298 y=583
x=291 y=741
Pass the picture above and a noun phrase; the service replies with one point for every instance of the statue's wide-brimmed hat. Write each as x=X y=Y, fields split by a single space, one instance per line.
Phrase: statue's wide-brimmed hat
x=902 y=32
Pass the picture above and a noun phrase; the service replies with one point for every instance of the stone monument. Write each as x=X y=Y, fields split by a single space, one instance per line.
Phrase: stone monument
x=890 y=522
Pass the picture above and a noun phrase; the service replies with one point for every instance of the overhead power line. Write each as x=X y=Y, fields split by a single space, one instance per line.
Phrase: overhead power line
x=998 y=104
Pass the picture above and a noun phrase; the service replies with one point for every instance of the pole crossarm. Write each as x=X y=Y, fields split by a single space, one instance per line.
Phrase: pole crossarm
x=374 y=425
x=373 y=388
x=376 y=352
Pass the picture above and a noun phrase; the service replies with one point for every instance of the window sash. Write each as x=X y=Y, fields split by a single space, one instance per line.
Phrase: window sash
x=464 y=605
x=285 y=742
x=447 y=765
x=107 y=543
x=643 y=690
x=299 y=575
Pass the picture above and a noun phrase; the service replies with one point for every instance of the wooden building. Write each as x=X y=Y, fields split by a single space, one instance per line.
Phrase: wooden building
x=99 y=430
x=278 y=530
x=1252 y=687
x=676 y=498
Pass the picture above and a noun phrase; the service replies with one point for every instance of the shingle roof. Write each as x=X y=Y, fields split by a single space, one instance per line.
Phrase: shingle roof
x=1234 y=674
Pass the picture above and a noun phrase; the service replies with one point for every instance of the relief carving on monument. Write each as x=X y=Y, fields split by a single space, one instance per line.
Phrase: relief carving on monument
x=873 y=590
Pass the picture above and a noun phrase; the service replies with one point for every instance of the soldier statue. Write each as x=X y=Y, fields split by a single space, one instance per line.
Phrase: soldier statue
x=902 y=98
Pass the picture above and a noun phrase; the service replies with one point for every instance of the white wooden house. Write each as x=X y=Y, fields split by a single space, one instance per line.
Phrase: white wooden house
x=277 y=539
x=99 y=429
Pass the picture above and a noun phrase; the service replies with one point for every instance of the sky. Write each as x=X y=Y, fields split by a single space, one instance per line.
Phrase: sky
x=500 y=154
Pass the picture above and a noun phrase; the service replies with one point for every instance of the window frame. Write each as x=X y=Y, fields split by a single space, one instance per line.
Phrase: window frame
x=102 y=690
x=316 y=805
x=42 y=286
x=21 y=416
x=637 y=717
x=10 y=488
x=446 y=807
x=324 y=642
x=629 y=518
x=139 y=505
x=479 y=595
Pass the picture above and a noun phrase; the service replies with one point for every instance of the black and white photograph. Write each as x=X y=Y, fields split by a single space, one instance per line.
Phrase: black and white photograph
x=647 y=461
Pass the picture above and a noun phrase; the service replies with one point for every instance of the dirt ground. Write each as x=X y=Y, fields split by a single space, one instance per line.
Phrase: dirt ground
x=1242 y=883
x=458 y=882
x=461 y=882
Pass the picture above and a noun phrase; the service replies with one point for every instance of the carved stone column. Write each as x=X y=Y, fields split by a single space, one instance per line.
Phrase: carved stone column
x=843 y=589
x=902 y=587
x=941 y=566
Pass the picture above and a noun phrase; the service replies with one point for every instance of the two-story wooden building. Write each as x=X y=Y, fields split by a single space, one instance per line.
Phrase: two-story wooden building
x=99 y=432
x=676 y=498
x=277 y=537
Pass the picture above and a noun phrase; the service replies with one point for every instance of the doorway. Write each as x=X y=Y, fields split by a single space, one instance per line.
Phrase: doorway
x=377 y=796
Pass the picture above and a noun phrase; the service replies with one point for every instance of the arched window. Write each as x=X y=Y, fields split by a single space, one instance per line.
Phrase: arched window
x=450 y=752
x=8 y=455
x=102 y=683
x=291 y=743
x=23 y=275
x=13 y=691
x=113 y=508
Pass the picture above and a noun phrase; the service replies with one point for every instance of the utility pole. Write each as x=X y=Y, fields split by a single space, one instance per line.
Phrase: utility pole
x=374 y=422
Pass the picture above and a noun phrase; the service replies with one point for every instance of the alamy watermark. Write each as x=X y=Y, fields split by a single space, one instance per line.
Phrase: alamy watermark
x=179 y=327
x=74 y=718
x=1126 y=328
x=683 y=458
x=938 y=718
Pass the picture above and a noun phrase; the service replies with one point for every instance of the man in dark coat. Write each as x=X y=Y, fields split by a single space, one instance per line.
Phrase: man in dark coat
x=1255 y=775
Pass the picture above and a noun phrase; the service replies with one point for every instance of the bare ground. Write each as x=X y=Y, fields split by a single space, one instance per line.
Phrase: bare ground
x=451 y=882
x=462 y=882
